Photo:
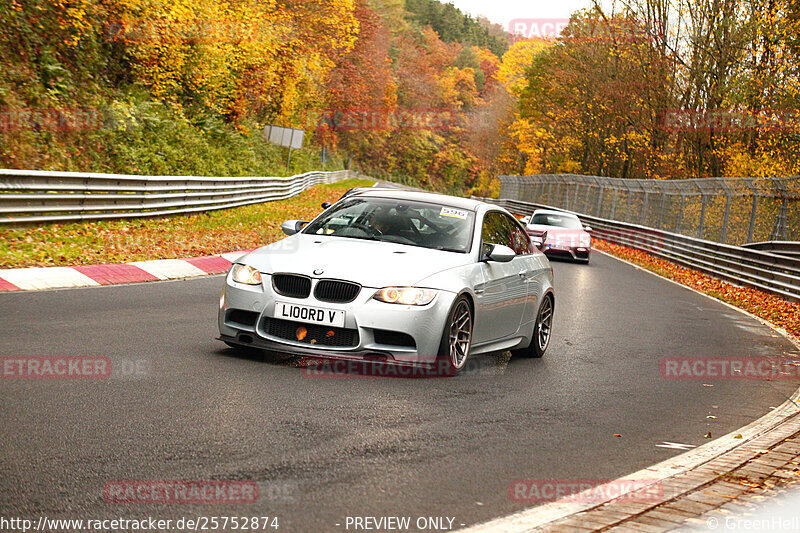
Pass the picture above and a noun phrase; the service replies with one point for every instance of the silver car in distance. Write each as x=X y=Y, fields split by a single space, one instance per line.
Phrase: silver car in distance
x=395 y=276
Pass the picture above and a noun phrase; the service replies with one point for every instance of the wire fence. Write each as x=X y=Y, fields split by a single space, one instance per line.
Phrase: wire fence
x=725 y=210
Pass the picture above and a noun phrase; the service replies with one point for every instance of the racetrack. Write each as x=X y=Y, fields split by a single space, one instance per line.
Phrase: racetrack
x=324 y=449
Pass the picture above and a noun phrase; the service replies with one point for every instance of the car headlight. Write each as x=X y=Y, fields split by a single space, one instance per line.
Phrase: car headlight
x=246 y=274
x=586 y=241
x=405 y=295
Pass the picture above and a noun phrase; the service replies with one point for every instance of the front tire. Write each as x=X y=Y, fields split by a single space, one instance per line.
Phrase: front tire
x=542 y=331
x=456 y=337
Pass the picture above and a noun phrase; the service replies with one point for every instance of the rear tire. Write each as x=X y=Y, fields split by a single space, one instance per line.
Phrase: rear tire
x=456 y=337
x=542 y=331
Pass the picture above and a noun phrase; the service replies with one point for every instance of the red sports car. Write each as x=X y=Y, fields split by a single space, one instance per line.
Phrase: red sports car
x=562 y=234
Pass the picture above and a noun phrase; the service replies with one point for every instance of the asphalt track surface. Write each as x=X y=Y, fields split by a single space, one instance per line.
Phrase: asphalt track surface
x=323 y=449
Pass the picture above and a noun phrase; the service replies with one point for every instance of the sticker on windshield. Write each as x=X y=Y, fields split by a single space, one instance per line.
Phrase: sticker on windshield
x=455 y=213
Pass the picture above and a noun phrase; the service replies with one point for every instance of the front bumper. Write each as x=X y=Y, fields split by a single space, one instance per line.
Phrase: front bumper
x=366 y=319
x=572 y=252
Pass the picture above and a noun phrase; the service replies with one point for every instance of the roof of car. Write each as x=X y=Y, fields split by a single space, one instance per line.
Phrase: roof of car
x=430 y=197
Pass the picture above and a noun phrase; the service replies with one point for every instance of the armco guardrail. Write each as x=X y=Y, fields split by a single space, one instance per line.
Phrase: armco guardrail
x=741 y=266
x=39 y=196
x=790 y=248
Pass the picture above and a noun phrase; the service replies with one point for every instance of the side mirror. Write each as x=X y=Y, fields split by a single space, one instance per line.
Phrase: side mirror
x=326 y=205
x=290 y=227
x=587 y=228
x=500 y=253
x=541 y=246
x=538 y=239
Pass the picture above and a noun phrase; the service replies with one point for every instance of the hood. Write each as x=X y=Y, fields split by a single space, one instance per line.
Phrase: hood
x=370 y=263
x=556 y=231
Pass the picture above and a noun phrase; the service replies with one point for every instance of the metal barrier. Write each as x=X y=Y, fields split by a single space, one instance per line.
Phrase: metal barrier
x=790 y=248
x=724 y=210
x=770 y=272
x=39 y=196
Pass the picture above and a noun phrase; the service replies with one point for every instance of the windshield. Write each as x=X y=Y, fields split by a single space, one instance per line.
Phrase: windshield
x=560 y=221
x=399 y=221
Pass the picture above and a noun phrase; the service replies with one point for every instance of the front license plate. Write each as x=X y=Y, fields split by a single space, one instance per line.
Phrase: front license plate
x=313 y=315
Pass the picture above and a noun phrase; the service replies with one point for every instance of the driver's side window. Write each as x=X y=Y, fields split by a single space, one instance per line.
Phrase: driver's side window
x=494 y=231
x=520 y=242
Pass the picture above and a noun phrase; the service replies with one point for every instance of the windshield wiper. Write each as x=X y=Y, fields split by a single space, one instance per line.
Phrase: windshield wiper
x=445 y=249
x=364 y=238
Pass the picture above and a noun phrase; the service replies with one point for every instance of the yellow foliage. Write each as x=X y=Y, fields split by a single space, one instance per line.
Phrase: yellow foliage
x=266 y=59
x=761 y=164
x=519 y=57
x=457 y=88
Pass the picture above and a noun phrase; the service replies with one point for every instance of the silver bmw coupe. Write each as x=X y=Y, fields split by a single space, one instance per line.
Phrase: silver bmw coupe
x=400 y=277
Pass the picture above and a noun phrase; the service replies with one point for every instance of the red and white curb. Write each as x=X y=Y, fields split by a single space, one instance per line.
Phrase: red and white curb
x=40 y=278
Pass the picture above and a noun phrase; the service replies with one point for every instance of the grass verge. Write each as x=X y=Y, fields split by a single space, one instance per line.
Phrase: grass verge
x=122 y=241
x=775 y=310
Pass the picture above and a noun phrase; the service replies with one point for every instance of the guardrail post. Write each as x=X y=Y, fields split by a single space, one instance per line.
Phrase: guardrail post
x=751 y=228
x=84 y=192
x=628 y=206
x=780 y=230
x=727 y=213
x=614 y=203
x=644 y=207
x=600 y=197
x=586 y=200
x=661 y=209
x=702 y=215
